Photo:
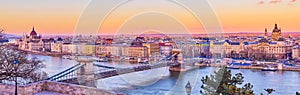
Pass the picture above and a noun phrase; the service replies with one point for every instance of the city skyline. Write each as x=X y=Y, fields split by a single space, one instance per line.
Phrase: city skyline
x=234 y=16
x=157 y=47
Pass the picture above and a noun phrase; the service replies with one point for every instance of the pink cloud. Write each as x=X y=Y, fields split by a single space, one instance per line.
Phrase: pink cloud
x=274 y=1
x=261 y=2
x=292 y=1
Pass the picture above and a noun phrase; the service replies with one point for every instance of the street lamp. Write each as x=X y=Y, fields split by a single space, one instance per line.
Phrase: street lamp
x=188 y=88
x=16 y=83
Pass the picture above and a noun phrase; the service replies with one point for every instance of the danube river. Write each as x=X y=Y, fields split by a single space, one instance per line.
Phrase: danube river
x=160 y=81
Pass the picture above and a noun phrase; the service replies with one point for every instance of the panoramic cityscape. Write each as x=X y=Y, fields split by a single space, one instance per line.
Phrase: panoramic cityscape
x=150 y=47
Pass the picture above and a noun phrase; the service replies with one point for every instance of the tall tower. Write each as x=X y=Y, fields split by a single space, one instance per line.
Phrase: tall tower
x=266 y=33
x=276 y=33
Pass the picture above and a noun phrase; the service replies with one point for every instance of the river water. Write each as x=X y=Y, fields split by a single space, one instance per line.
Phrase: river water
x=161 y=81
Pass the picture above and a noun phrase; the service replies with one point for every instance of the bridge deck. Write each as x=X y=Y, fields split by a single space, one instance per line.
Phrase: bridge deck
x=65 y=72
x=108 y=67
x=114 y=71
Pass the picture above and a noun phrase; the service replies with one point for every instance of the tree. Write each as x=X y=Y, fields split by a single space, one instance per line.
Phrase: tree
x=222 y=82
x=269 y=90
x=26 y=70
x=1 y=30
x=297 y=93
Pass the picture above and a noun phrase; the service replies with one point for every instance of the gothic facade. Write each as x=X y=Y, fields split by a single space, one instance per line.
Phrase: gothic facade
x=34 y=42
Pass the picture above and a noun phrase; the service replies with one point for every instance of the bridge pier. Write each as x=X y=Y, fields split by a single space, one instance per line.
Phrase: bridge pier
x=177 y=59
x=85 y=75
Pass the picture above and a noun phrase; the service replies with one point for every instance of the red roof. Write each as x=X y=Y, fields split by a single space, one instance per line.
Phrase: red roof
x=165 y=44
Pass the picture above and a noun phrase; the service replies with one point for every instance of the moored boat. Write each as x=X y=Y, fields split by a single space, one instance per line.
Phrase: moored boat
x=66 y=57
x=144 y=62
x=101 y=59
x=233 y=67
x=269 y=69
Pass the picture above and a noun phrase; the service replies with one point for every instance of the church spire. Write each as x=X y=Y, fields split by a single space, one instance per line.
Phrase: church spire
x=266 y=33
x=33 y=28
x=276 y=26
x=266 y=30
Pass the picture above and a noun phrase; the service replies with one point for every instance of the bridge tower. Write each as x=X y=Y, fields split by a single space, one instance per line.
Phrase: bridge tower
x=86 y=74
x=178 y=61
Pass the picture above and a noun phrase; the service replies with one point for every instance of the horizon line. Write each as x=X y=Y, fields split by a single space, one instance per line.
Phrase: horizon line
x=157 y=34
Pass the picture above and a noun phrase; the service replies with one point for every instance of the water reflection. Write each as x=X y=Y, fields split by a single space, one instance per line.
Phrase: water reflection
x=54 y=65
x=285 y=83
x=160 y=81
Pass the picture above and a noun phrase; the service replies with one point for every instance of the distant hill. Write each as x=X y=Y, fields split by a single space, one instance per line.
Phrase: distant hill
x=10 y=36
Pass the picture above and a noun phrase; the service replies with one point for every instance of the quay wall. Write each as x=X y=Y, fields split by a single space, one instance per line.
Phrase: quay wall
x=30 y=89
x=246 y=67
x=59 y=87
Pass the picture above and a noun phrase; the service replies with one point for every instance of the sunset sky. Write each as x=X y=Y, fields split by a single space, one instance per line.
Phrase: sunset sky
x=51 y=17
